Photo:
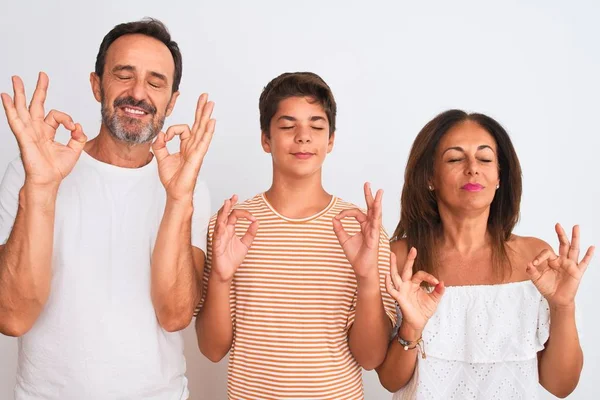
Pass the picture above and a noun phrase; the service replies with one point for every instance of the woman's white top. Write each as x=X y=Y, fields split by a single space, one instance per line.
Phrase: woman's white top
x=482 y=343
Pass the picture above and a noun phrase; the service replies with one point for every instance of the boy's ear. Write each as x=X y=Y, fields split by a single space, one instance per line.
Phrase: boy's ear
x=265 y=141
x=331 y=141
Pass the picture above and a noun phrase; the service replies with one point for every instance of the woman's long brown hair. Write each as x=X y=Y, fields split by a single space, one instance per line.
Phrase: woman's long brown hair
x=420 y=222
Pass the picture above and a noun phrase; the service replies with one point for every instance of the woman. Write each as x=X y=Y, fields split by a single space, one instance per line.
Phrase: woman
x=486 y=335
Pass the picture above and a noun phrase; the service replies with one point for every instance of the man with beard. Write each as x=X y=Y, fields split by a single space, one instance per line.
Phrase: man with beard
x=104 y=240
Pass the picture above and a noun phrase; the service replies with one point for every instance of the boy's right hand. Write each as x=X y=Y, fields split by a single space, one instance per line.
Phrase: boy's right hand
x=46 y=161
x=416 y=303
x=228 y=250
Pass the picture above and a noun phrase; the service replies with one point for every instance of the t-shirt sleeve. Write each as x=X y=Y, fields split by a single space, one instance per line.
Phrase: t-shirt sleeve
x=11 y=184
x=208 y=264
x=201 y=216
x=384 y=269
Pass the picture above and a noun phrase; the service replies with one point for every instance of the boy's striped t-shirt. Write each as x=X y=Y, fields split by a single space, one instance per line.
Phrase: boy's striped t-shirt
x=292 y=301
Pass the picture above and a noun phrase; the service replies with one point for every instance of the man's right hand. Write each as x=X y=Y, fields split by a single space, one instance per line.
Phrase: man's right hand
x=228 y=250
x=46 y=161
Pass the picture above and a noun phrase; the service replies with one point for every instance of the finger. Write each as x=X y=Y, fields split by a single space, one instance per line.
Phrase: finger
x=586 y=259
x=352 y=212
x=56 y=118
x=223 y=213
x=368 y=194
x=395 y=276
x=203 y=112
x=339 y=231
x=533 y=272
x=19 y=98
x=36 y=107
x=437 y=292
x=234 y=200
x=204 y=142
x=563 y=240
x=199 y=110
x=545 y=255
x=159 y=147
x=12 y=116
x=250 y=234
x=389 y=287
x=206 y=114
x=181 y=130
x=422 y=276
x=78 y=139
x=574 y=248
x=377 y=205
x=235 y=215
x=407 y=270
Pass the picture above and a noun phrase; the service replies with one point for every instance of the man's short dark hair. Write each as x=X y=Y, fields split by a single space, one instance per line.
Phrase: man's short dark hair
x=149 y=27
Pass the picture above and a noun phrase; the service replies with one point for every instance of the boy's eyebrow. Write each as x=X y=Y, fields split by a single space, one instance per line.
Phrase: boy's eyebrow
x=290 y=118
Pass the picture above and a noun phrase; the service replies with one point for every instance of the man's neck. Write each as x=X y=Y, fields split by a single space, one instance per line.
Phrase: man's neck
x=107 y=149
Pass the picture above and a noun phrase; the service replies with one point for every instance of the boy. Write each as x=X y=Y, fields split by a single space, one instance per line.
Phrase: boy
x=293 y=287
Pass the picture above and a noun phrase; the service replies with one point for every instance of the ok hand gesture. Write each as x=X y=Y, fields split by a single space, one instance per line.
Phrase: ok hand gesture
x=559 y=278
x=46 y=161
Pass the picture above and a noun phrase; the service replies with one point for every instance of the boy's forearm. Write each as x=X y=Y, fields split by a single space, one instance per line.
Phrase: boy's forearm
x=214 y=326
x=371 y=329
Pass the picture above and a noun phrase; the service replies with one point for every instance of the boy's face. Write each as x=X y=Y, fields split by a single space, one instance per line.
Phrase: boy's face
x=299 y=139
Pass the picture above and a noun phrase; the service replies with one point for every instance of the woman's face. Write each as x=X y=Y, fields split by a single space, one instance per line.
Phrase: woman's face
x=466 y=169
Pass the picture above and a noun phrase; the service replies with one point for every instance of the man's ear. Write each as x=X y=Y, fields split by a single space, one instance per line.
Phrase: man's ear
x=96 y=84
x=172 y=102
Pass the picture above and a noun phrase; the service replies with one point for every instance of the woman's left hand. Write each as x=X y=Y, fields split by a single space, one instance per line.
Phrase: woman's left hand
x=557 y=277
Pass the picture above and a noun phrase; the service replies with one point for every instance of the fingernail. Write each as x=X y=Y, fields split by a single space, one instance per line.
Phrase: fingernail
x=535 y=262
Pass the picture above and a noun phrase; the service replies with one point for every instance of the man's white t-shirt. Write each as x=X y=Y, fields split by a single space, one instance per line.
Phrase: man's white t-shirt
x=98 y=336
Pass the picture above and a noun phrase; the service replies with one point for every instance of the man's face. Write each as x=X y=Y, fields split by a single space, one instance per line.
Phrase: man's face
x=135 y=91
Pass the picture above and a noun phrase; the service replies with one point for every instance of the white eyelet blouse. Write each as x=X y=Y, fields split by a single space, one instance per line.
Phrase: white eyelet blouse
x=482 y=343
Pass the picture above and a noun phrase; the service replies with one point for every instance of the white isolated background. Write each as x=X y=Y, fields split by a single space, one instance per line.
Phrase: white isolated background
x=392 y=65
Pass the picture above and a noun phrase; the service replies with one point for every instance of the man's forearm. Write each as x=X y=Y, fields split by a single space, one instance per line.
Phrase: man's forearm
x=175 y=285
x=370 y=332
x=26 y=260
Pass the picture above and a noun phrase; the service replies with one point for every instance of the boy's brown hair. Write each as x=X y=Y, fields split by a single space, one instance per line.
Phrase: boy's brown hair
x=295 y=84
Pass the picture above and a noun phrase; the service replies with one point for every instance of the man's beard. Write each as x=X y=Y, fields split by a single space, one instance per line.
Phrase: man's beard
x=131 y=130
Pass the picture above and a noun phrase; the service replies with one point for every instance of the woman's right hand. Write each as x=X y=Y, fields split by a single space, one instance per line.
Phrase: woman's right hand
x=416 y=303
x=46 y=161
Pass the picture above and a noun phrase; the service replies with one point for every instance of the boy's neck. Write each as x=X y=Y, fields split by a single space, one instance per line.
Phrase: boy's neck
x=298 y=198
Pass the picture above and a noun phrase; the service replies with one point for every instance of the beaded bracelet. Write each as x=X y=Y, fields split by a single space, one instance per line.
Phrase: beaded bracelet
x=417 y=344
